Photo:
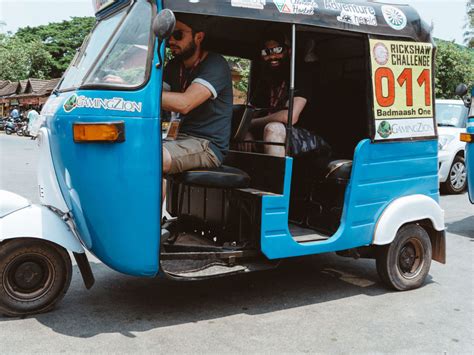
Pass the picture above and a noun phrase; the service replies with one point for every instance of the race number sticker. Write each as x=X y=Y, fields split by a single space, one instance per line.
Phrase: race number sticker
x=402 y=87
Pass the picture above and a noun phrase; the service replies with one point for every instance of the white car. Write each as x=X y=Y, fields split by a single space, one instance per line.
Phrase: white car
x=451 y=117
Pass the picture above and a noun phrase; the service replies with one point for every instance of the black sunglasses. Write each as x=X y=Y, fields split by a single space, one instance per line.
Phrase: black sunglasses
x=178 y=34
x=270 y=51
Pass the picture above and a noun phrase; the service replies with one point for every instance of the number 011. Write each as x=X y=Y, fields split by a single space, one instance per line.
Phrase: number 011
x=405 y=79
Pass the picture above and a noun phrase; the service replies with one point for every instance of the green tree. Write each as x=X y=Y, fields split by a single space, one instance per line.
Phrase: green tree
x=61 y=40
x=21 y=60
x=454 y=65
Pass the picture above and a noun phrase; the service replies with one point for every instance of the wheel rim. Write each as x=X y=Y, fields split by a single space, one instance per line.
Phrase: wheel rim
x=411 y=258
x=458 y=175
x=28 y=277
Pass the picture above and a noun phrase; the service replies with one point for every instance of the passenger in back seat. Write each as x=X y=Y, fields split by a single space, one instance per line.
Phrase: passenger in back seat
x=272 y=92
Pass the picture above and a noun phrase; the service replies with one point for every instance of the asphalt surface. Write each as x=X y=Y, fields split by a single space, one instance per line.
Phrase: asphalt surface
x=318 y=304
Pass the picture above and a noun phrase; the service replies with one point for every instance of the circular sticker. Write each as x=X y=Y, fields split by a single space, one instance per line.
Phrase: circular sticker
x=394 y=17
x=385 y=129
x=381 y=53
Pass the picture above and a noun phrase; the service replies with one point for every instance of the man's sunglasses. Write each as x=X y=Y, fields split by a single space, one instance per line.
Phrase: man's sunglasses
x=270 y=51
x=178 y=34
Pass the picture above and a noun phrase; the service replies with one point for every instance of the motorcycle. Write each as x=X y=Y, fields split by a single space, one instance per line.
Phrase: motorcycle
x=22 y=128
x=10 y=126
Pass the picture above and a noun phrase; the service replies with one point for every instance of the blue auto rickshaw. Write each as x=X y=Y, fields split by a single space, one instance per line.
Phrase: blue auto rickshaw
x=468 y=137
x=374 y=196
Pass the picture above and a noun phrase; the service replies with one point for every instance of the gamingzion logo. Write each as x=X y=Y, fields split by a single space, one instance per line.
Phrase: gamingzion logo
x=114 y=104
x=394 y=17
x=385 y=129
x=300 y=7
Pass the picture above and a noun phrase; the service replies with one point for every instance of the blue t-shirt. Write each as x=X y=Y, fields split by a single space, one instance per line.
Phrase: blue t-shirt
x=212 y=119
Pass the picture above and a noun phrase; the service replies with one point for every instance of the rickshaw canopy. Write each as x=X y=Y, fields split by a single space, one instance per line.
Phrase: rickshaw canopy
x=355 y=16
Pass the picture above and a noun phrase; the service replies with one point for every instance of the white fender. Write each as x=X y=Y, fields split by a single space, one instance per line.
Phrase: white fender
x=49 y=191
x=404 y=210
x=34 y=221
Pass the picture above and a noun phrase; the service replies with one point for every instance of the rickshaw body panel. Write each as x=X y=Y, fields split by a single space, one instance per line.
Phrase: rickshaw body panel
x=470 y=159
x=381 y=173
x=113 y=189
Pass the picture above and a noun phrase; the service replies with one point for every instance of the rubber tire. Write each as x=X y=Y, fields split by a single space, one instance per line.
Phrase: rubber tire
x=61 y=263
x=20 y=132
x=8 y=132
x=387 y=259
x=447 y=187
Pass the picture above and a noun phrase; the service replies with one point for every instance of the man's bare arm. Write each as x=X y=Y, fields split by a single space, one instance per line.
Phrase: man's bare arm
x=195 y=95
x=282 y=116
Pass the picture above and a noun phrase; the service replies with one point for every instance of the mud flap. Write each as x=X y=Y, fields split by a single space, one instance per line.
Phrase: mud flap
x=85 y=269
x=438 y=244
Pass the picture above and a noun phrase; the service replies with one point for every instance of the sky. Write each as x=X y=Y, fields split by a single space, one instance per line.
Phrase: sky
x=448 y=16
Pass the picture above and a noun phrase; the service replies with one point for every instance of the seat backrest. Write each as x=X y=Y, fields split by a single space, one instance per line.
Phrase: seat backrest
x=241 y=117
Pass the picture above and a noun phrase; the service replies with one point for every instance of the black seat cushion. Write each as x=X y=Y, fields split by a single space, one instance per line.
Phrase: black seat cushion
x=221 y=177
x=339 y=170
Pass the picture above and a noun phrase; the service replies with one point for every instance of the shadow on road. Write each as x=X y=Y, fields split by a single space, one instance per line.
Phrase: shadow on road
x=122 y=304
x=463 y=227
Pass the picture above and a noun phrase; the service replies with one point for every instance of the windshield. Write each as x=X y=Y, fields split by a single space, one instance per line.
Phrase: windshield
x=124 y=63
x=451 y=115
x=89 y=51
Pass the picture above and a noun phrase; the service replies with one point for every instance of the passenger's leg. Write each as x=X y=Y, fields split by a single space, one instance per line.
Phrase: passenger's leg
x=274 y=132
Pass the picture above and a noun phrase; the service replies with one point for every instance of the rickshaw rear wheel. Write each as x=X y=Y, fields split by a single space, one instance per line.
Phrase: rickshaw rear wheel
x=34 y=275
x=405 y=263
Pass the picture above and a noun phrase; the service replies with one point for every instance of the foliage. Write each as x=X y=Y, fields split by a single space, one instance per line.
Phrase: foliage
x=454 y=65
x=21 y=60
x=60 y=39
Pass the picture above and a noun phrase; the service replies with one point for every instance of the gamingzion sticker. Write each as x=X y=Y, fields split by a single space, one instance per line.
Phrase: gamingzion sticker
x=300 y=7
x=114 y=104
x=353 y=14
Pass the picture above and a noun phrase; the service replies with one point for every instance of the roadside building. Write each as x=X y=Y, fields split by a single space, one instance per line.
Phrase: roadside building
x=25 y=94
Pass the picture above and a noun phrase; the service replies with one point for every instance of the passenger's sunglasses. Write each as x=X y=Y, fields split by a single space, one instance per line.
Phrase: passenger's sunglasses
x=178 y=34
x=270 y=51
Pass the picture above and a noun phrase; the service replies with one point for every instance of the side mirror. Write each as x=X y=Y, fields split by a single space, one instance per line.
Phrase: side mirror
x=163 y=24
x=461 y=90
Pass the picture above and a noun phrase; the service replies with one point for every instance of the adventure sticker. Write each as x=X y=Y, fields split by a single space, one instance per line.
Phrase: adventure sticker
x=353 y=14
x=394 y=17
x=402 y=88
x=114 y=104
x=250 y=4
x=300 y=7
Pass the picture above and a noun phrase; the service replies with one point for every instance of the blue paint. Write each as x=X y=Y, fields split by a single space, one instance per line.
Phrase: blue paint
x=470 y=154
x=114 y=190
x=381 y=173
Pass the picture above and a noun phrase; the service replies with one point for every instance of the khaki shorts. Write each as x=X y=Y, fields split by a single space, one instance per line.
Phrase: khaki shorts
x=189 y=152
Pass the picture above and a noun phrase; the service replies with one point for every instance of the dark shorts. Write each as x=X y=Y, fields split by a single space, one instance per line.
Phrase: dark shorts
x=188 y=152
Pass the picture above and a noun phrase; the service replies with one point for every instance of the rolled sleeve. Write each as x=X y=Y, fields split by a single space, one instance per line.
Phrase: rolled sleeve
x=208 y=85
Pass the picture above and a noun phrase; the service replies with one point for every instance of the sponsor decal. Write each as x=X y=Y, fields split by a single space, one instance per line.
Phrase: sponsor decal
x=380 y=53
x=394 y=17
x=402 y=88
x=114 y=104
x=352 y=14
x=250 y=4
x=296 y=7
x=396 y=129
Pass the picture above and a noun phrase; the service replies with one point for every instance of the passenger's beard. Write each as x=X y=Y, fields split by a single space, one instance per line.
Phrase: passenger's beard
x=187 y=52
x=279 y=73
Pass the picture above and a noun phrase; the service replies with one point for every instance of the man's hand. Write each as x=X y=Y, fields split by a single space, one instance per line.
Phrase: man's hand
x=113 y=79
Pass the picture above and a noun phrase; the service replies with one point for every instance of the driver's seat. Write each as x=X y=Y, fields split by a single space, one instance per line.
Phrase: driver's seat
x=224 y=177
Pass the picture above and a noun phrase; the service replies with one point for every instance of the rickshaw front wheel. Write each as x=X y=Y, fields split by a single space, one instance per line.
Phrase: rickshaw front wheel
x=405 y=263
x=34 y=276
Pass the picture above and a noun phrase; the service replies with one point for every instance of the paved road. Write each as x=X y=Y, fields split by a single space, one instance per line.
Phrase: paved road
x=319 y=304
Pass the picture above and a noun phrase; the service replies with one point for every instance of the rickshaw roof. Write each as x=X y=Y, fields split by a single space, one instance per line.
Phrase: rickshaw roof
x=372 y=18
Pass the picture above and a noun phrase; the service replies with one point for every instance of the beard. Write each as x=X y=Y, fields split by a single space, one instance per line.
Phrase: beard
x=187 y=52
x=279 y=73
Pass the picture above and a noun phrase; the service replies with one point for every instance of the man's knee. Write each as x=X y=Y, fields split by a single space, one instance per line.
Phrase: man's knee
x=166 y=161
x=274 y=131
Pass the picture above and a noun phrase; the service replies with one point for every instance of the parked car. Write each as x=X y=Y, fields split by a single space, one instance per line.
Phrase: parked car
x=451 y=118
